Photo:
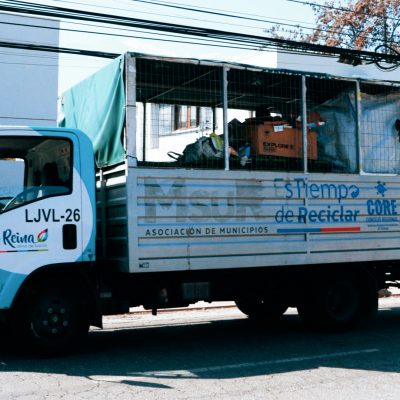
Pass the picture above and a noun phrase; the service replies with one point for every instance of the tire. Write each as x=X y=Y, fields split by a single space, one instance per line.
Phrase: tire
x=51 y=318
x=270 y=310
x=338 y=304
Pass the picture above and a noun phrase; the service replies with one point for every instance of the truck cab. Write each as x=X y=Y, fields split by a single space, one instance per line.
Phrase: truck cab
x=47 y=203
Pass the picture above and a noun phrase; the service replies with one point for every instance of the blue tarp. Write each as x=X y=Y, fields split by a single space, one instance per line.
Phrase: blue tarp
x=97 y=107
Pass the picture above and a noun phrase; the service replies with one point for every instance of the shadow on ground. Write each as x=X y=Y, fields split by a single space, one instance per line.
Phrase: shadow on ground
x=223 y=349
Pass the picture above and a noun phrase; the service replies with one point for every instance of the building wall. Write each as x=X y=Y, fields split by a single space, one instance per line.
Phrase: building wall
x=28 y=79
x=331 y=66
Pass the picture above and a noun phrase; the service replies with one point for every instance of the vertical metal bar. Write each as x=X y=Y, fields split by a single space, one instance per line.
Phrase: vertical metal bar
x=144 y=131
x=131 y=150
x=214 y=117
x=304 y=121
x=358 y=127
x=225 y=114
x=305 y=141
x=103 y=214
x=130 y=110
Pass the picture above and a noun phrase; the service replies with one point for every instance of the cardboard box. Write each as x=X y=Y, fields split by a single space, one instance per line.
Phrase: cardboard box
x=275 y=138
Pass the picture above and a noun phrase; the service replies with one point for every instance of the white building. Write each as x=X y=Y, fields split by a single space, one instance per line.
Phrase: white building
x=330 y=65
x=28 y=78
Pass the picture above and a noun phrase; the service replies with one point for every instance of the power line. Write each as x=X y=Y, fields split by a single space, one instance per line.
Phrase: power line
x=75 y=51
x=242 y=47
x=116 y=34
x=125 y=36
x=48 y=65
x=207 y=11
x=196 y=41
x=308 y=3
x=190 y=8
x=32 y=46
x=163 y=15
x=235 y=39
x=379 y=20
x=56 y=49
x=65 y=13
x=208 y=41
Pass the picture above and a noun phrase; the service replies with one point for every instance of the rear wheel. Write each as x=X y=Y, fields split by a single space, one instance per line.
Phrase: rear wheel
x=52 y=317
x=338 y=303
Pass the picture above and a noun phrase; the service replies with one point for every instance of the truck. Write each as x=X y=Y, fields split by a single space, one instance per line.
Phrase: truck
x=200 y=180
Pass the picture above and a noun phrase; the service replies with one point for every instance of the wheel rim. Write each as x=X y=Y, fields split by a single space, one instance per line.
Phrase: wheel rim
x=51 y=318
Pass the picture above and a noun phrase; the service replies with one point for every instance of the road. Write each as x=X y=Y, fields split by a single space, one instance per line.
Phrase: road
x=214 y=354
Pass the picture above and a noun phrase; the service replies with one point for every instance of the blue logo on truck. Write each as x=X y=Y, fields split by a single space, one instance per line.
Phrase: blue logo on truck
x=381 y=188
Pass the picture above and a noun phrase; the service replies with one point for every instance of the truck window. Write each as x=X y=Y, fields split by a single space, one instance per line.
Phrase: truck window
x=33 y=168
x=12 y=172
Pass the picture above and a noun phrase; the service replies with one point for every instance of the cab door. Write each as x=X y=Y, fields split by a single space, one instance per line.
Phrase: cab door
x=40 y=204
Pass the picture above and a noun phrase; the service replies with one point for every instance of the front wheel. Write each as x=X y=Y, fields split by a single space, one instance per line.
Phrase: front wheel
x=52 y=317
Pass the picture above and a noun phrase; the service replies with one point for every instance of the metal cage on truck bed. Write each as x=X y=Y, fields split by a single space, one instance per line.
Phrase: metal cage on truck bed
x=225 y=166
x=144 y=107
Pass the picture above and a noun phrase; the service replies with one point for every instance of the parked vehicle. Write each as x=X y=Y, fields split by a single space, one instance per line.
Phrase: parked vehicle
x=299 y=209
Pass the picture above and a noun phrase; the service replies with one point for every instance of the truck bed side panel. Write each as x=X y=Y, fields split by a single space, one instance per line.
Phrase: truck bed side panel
x=196 y=219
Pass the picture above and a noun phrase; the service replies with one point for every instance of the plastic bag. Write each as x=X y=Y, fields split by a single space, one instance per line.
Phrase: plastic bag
x=202 y=149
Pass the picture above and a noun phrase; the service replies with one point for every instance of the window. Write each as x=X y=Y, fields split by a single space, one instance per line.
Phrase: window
x=186 y=117
x=35 y=168
x=12 y=171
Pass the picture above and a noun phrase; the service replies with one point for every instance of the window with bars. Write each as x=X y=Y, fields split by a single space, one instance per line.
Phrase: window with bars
x=186 y=117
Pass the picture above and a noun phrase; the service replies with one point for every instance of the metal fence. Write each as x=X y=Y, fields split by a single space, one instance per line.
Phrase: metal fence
x=206 y=115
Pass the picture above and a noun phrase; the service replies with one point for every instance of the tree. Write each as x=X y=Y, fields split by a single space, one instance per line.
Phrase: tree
x=360 y=25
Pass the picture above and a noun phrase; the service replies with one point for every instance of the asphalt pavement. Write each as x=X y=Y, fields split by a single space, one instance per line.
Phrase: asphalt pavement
x=214 y=352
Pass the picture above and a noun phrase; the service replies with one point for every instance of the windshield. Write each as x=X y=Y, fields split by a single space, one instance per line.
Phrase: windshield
x=33 y=168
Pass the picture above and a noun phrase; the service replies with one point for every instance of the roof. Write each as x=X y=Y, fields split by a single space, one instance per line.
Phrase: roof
x=197 y=82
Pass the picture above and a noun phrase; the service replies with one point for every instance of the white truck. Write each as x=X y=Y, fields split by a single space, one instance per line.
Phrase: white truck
x=299 y=208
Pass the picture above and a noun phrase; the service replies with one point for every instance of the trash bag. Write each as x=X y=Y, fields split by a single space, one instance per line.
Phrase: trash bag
x=202 y=149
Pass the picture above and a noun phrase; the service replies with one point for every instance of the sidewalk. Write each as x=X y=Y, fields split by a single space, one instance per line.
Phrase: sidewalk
x=395 y=292
x=201 y=311
x=200 y=305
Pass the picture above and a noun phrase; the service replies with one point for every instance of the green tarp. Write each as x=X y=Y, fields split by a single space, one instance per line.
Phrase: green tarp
x=97 y=107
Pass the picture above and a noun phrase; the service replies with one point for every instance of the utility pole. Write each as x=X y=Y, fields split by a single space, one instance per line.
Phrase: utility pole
x=385 y=27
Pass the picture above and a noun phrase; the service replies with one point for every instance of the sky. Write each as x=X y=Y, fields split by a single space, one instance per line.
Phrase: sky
x=74 y=68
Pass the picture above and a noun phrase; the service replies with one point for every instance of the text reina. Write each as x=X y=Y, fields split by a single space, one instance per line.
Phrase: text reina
x=12 y=239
